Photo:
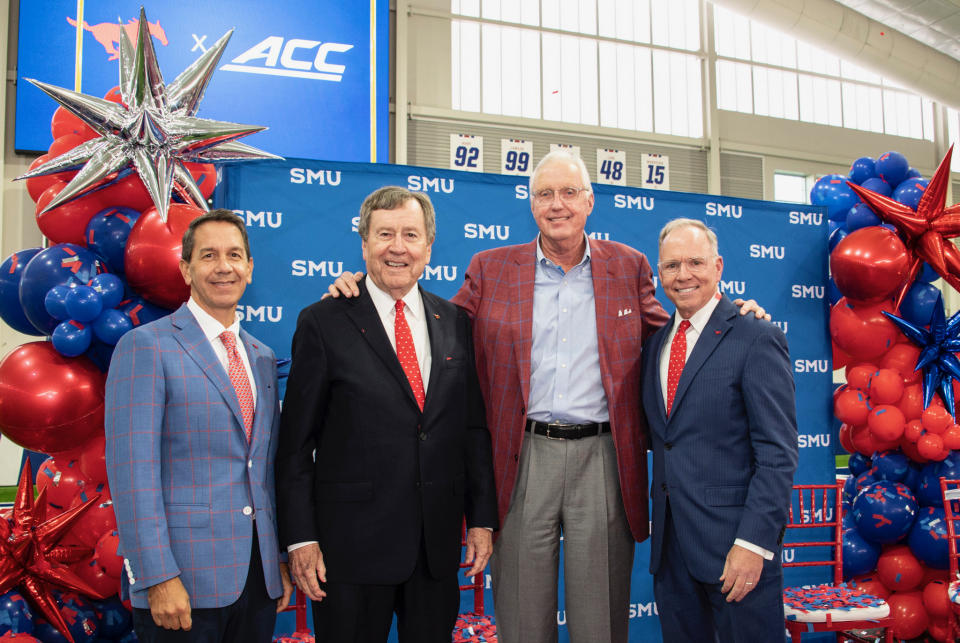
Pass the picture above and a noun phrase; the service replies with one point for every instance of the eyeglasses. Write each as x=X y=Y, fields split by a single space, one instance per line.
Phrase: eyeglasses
x=542 y=197
x=694 y=265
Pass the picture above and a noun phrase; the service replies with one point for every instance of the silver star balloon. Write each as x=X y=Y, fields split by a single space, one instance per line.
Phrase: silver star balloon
x=154 y=132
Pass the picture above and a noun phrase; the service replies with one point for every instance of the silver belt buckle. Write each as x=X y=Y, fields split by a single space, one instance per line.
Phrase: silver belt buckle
x=557 y=425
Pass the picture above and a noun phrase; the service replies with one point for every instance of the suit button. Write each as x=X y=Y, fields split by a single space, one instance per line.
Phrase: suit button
x=249 y=464
x=668 y=445
x=422 y=436
x=248 y=510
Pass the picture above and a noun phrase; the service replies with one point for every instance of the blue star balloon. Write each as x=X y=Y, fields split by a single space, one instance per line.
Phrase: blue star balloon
x=937 y=347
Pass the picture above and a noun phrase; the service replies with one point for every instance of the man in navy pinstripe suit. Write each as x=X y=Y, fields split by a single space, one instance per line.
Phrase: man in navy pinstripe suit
x=718 y=394
x=191 y=412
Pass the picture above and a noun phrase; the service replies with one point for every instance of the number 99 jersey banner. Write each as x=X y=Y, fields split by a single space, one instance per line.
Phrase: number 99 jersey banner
x=302 y=217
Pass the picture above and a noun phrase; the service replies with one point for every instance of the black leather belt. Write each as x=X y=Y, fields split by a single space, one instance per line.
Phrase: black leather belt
x=567 y=431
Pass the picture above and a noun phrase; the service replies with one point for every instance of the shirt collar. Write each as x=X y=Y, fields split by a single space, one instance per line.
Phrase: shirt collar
x=211 y=327
x=700 y=318
x=543 y=260
x=384 y=302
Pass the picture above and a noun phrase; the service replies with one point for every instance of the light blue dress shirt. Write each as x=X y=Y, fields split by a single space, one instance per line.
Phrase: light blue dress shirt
x=565 y=384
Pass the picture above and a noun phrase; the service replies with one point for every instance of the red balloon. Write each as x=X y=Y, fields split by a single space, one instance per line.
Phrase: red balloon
x=851 y=407
x=909 y=617
x=114 y=96
x=912 y=430
x=152 y=256
x=938 y=629
x=49 y=402
x=839 y=358
x=870 y=264
x=863 y=440
x=96 y=521
x=951 y=437
x=90 y=458
x=846 y=438
x=64 y=122
x=205 y=176
x=128 y=192
x=886 y=423
x=62 y=482
x=67 y=223
x=862 y=331
x=936 y=419
x=903 y=359
x=911 y=402
x=910 y=450
x=63 y=144
x=38 y=184
x=886 y=386
x=935 y=599
x=102 y=583
x=899 y=569
x=858 y=376
x=930 y=446
x=107 y=554
x=870 y=584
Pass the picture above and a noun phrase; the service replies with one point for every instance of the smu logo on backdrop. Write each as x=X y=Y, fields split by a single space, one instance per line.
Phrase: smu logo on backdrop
x=296 y=57
x=301 y=175
x=259 y=313
x=760 y=251
x=713 y=209
x=311 y=268
x=429 y=184
x=802 y=291
x=806 y=218
x=625 y=201
x=439 y=273
x=811 y=366
x=643 y=610
x=808 y=441
x=480 y=231
x=782 y=325
x=733 y=287
x=261 y=219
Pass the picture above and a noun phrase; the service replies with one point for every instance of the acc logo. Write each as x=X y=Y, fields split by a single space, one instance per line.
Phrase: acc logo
x=633 y=202
x=259 y=313
x=480 y=231
x=721 y=210
x=733 y=287
x=819 y=440
x=320 y=177
x=766 y=252
x=799 y=291
x=427 y=184
x=261 y=219
x=293 y=58
x=806 y=218
x=311 y=268
x=439 y=273
x=811 y=366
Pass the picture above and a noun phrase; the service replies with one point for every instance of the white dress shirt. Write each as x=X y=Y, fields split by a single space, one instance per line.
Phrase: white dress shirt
x=698 y=321
x=211 y=329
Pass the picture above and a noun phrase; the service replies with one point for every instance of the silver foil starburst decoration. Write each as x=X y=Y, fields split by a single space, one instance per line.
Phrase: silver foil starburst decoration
x=154 y=132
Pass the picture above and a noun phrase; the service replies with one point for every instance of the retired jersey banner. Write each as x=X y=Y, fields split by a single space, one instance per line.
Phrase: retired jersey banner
x=315 y=73
x=302 y=217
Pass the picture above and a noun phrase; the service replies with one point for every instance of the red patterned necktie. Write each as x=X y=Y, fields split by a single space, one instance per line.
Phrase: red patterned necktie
x=239 y=379
x=678 y=357
x=407 y=354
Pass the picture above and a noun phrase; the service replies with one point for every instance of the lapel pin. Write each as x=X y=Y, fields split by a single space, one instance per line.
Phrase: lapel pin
x=363 y=330
x=716 y=332
x=436 y=316
x=449 y=358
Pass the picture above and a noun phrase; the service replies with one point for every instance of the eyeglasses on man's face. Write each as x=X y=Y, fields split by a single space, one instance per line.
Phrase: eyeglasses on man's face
x=694 y=265
x=568 y=194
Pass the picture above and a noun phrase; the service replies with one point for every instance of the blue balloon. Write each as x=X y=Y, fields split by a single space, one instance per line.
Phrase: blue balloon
x=64 y=264
x=10 y=309
x=878 y=185
x=836 y=237
x=912 y=173
x=852 y=489
x=862 y=169
x=47 y=633
x=892 y=167
x=919 y=303
x=107 y=234
x=928 y=489
x=859 y=554
x=928 y=538
x=833 y=293
x=140 y=311
x=72 y=338
x=100 y=353
x=832 y=191
x=912 y=479
x=861 y=216
x=15 y=614
x=115 y=619
x=890 y=465
x=55 y=302
x=111 y=325
x=83 y=304
x=110 y=288
x=847 y=522
x=858 y=463
x=927 y=274
x=884 y=511
x=80 y=616
x=909 y=192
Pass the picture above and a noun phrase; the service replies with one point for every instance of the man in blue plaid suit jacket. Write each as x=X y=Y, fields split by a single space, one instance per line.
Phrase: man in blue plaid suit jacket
x=192 y=480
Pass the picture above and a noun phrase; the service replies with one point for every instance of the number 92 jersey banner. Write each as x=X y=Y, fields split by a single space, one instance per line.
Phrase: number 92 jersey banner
x=302 y=217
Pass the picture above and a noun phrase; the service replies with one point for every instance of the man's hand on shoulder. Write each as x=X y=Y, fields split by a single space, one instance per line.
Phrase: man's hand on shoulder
x=170 y=605
x=346 y=285
x=308 y=570
x=749 y=306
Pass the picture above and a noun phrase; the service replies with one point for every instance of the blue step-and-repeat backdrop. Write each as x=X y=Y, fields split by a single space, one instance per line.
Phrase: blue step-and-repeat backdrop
x=302 y=216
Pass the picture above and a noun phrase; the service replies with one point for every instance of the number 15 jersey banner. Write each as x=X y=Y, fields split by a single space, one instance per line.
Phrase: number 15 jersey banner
x=302 y=217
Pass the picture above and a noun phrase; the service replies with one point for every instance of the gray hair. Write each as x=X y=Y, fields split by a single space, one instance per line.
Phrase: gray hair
x=391 y=197
x=562 y=156
x=675 y=224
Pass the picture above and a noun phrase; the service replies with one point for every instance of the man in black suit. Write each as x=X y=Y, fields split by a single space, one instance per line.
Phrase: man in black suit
x=383 y=444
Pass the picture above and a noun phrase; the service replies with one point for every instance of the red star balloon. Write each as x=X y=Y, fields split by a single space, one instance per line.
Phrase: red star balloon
x=925 y=232
x=31 y=557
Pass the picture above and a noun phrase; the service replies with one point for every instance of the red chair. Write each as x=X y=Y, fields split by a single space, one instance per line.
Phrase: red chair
x=836 y=606
x=950 y=489
x=477 y=583
x=299 y=605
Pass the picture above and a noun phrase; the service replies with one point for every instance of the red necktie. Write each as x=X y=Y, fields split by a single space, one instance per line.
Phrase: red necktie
x=678 y=357
x=407 y=354
x=239 y=379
